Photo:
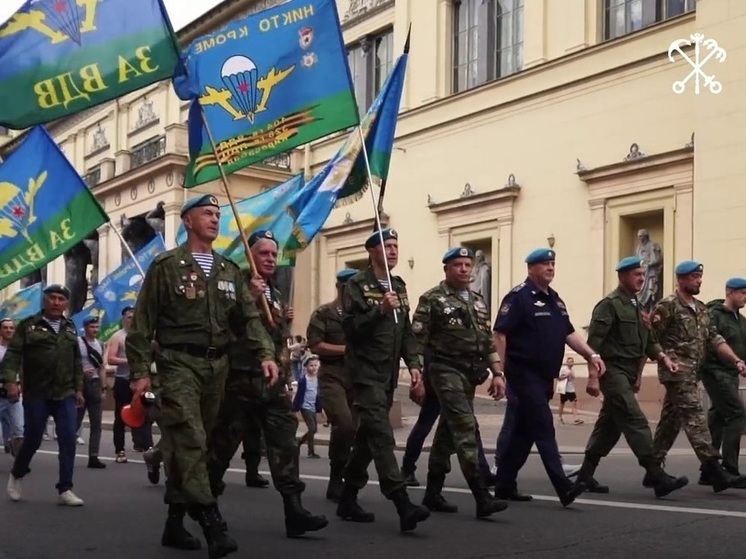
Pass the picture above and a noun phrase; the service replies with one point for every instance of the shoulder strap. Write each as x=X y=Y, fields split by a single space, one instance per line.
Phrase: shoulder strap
x=94 y=356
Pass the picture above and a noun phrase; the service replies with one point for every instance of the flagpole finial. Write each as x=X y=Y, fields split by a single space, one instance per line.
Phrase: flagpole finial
x=409 y=35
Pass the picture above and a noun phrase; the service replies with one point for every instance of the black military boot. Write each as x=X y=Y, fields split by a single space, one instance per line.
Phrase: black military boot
x=349 y=509
x=255 y=479
x=336 y=484
x=434 y=499
x=720 y=478
x=512 y=494
x=487 y=505
x=663 y=483
x=409 y=514
x=568 y=496
x=298 y=520
x=174 y=534
x=410 y=479
x=219 y=544
x=585 y=475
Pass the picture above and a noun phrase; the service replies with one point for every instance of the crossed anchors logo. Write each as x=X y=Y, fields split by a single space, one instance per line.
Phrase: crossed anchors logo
x=698 y=63
x=58 y=20
x=17 y=207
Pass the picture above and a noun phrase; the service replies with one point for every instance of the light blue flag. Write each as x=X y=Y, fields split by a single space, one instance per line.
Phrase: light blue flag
x=94 y=309
x=120 y=288
x=25 y=303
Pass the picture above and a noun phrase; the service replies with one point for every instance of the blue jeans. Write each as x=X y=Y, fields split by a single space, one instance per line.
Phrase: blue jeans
x=11 y=419
x=36 y=411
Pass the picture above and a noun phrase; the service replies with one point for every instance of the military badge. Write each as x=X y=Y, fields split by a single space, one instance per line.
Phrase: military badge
x=417 y=327
x=505 y=308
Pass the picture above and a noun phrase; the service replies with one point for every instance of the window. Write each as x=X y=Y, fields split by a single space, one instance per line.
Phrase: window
x=487 y=41
x=370 y=60
x=622 y=17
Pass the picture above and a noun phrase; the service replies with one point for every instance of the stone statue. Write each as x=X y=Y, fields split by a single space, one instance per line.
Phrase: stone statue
x=137 y=233
x=91 y=243
x=34 y=277
x=76 y=262
x=652 y=256
x=482 y=277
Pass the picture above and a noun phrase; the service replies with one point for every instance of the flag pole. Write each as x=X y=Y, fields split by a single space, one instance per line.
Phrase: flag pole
x=127 y=248
x=236 y=216
x=376 y=212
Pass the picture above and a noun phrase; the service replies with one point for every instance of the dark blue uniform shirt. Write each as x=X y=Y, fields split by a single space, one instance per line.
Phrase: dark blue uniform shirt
x=535 y=325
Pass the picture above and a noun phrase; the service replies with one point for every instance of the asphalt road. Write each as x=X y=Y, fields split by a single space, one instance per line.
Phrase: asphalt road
x=123 y=518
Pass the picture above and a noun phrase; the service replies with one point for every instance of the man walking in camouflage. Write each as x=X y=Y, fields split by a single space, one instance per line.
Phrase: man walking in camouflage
x=619 y=335
x=251 y=403
x=378 y=334
x=452 y=324
x=326 y=339
x=187 y=299
x=685 y=330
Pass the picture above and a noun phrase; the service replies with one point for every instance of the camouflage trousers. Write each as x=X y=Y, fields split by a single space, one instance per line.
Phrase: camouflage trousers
x=457 y=430
x=188 y=393
x=251 y=405
x=726 y=416
x=337 y=398
x=682 y=409
x=252 y=448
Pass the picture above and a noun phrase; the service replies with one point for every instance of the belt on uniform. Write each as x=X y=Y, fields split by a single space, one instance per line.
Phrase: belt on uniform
x=205 y=352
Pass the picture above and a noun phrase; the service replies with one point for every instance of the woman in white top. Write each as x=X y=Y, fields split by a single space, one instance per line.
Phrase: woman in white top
x=566 y=390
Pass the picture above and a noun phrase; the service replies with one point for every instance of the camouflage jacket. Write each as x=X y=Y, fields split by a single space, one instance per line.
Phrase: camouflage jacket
x=453 y=331
x=177 y=304
x=732 y=326
x=684 y=333
x=375 y=343
x=619 y=335
x=51 y=361
x=325 y=325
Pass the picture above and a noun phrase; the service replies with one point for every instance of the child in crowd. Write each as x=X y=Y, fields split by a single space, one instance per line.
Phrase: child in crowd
x=307 y=400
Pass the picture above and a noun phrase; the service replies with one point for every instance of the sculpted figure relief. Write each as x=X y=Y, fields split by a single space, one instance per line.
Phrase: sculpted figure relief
x=652 y=256
x=482 y=276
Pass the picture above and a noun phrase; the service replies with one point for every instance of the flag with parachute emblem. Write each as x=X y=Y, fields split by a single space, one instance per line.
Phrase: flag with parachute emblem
x=265 y=84
x=25 y=303
x=45 y=207
x=60 y=57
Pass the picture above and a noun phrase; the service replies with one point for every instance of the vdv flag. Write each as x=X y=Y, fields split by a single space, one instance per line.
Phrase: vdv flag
x=45 y=207
x=266 y=210
x=25 y=303
x=346 y=174
x=120 y=288
x=94 y=309
x=266 y=84
x=59 y=57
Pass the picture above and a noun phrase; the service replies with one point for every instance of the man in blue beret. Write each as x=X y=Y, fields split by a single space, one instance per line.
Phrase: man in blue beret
x=190 y=304
x=92 y=359
x=726 y=417
x=685 y=331
x=378 y=335
x=326 y=339
x=47 y=346
x=531 y=331
x=618 y=333
x=451 y=326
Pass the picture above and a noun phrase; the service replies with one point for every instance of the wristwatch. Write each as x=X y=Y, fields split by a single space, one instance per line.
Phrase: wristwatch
x=737 y=361
x=498 y=374
x=593 y=355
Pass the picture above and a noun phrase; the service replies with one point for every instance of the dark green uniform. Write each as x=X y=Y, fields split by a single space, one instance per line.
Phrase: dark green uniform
x=335 y=387
x=726 y=416
x=188 y=314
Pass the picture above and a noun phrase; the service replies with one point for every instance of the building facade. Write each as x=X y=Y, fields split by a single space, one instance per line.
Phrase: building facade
x=524 y=123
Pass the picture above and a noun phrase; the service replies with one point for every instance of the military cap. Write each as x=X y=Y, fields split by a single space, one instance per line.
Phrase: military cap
x=257 y=236
x=629 y=263
x=540 y=255
x=344 y=275
x=309 y=357
x=375 y=239
x=688 y=267
x=57 y=289
x=736 y=283
x=457 y=252
x=206 y=200
x=92 y=319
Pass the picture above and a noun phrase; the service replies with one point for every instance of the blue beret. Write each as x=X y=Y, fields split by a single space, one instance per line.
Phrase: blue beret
x=344 y=275
x=57 y=289
x=629 y=263
x=375 y=239
x=688 y=267
x=93 y=319
x=540 y=255
x=457 y=252
x=736 y=283
x=206 y=200
x=257 y=236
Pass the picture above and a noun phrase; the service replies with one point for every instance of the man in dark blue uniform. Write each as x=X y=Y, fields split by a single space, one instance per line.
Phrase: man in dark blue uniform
x=531 y=330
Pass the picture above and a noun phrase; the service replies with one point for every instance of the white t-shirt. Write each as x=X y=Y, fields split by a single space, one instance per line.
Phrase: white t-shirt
x=566 y=385
x=85 y=361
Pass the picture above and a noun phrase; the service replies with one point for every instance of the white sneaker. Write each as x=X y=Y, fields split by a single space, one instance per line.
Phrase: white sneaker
x=80 y=441
x=70 y=499
x=14 y=488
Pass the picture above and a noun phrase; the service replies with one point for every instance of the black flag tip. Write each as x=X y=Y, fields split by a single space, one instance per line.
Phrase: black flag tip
x=409 y=35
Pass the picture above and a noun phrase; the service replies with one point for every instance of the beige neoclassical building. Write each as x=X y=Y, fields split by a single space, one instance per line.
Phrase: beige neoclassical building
x=523 y=123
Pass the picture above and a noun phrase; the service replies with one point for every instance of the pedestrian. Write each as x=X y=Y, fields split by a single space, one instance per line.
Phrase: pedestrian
x=307 y=401
x=378 y=335
x=52 y=378
x=532 y=328
x=685 y=330
x=184 y=305
x=11 y=413
x=618 y=333
x=452 y=324
x=327 y=340
x=566 y=391
x=92 y=360
x=252 y=404
x=726 y=417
